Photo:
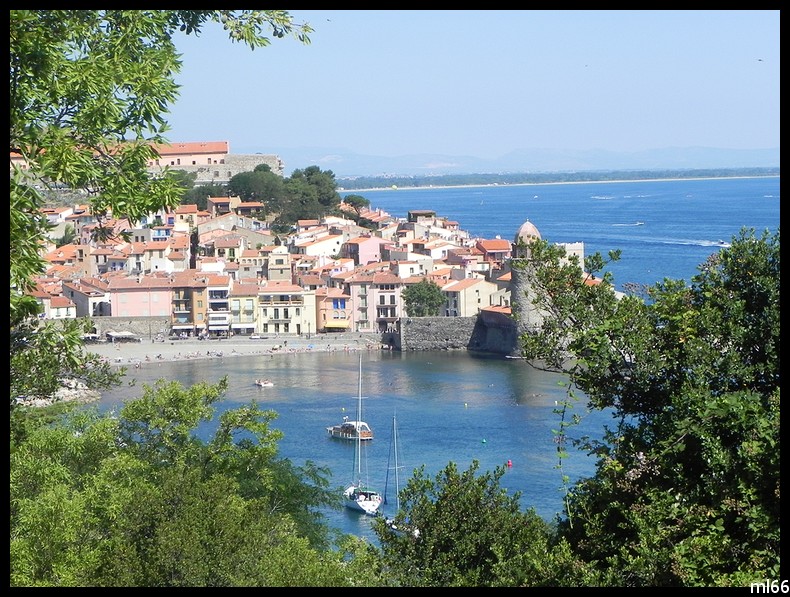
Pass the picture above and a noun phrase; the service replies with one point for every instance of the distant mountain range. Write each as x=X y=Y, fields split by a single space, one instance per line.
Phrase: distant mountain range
x=344 y=163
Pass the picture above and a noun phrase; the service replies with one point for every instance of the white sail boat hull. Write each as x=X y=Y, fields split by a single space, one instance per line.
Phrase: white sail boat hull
x=363 y=500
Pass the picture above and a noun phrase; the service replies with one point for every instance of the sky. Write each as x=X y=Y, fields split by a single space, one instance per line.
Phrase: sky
x=485 y=83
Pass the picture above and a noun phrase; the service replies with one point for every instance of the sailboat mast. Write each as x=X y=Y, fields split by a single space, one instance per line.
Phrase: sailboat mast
x=359 y=418
x=395 y=442
x=393 y=456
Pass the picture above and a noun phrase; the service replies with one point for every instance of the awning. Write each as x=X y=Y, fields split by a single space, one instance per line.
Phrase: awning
x=337 y=324
x=187 y=326
x=243 y=326
x=222 y=326
x=121 y=334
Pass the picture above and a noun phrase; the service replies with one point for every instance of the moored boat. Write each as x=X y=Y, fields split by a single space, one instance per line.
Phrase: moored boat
x=359 y=496
x=351 y=430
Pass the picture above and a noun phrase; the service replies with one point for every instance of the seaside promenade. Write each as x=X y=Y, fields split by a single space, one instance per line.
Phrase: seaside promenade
x=140 y=354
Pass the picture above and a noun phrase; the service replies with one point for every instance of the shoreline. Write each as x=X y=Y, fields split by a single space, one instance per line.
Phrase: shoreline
x=539 y=184
x=135 y=355
x=140 y=354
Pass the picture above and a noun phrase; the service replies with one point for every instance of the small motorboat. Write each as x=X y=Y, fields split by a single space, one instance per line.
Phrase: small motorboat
x=264 y=383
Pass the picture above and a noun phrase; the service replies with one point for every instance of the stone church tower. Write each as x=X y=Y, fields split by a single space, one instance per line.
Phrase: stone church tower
x=525 y=315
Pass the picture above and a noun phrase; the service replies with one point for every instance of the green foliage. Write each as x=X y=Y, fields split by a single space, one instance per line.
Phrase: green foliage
x=324 y=184
x=358 y=202
x=88 y=94
x=686 y=490
x=139 y=500
x=69 y=234
x=310 y=194
x=462 y=529
x=424 y=299
x=199 y=195
x=185 y=180
x=42 y=357
x=261 y=185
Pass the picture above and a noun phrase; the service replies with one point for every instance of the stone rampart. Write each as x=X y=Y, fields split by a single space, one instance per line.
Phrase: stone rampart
x=455 y=333
x=234 y=164
x=143 y=327
x=495 y=335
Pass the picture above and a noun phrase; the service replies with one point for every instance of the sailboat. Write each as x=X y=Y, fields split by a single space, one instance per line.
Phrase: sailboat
x=357 y=496
x=394 y=455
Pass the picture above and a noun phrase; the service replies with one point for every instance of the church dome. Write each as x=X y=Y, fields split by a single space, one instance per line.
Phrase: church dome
x=527 y=233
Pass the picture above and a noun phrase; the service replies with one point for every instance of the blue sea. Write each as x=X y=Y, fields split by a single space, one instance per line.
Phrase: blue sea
x=454 y=406
x=664 y=228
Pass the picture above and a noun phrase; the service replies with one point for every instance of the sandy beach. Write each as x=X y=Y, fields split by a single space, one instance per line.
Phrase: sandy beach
x=140 y=354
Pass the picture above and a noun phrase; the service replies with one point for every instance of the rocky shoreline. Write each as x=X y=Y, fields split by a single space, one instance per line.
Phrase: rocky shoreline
x=71 y=390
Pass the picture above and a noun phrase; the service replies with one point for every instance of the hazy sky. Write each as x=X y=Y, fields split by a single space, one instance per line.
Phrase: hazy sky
x=483 y=83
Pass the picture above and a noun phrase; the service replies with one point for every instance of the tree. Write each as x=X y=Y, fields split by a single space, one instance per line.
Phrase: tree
x=199 y=195
x=137 y=500
x=358 y=202
x=88 y=91
x=301 y=204
x=261 y=185
x=324 y=184
x=462 y=529
x=184 y=178
x=424 y=299
x=69 y=234
x=686 y=490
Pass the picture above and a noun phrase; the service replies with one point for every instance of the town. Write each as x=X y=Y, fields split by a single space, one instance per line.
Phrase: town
x=223 y=272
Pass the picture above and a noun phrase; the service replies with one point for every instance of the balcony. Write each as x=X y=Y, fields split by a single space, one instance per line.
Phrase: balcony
x=267 y=301
x=385 y=318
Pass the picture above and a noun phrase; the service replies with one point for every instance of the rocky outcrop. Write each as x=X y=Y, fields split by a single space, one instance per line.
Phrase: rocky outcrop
x=70 y=390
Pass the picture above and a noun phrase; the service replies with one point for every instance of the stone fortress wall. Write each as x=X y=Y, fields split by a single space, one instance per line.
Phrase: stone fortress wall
x=413 y=333
x=454 y=333
x=232 y=165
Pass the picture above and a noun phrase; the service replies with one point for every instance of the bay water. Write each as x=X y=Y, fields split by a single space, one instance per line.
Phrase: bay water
x=459 y=407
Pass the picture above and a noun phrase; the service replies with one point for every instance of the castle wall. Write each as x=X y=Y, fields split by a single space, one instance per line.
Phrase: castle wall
x=232 y=165
x=454 y=333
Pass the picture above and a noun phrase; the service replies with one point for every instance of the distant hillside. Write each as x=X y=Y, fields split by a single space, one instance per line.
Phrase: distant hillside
x=375 y=182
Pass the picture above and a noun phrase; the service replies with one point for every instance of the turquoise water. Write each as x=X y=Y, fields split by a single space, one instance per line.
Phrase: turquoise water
x=451 y=406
